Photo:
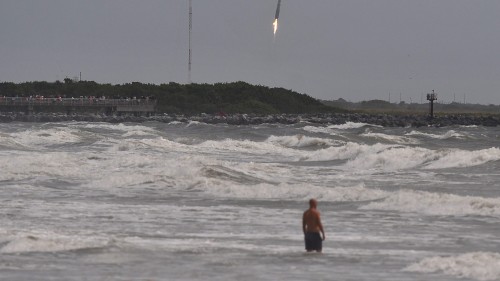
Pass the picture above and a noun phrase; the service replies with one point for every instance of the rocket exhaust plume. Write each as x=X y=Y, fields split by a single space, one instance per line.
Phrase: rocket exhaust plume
x=276 y=17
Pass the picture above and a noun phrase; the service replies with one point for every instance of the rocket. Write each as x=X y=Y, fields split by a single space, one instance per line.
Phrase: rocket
x=277 y=16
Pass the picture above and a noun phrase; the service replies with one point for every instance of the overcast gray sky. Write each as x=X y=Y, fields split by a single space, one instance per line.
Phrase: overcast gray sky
x=328 y=49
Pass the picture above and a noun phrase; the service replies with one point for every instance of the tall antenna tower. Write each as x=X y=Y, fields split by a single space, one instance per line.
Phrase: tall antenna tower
x=190 y=29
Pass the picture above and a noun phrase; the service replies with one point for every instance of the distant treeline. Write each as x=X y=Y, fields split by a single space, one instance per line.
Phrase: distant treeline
x=381 y=106
x=237 y=97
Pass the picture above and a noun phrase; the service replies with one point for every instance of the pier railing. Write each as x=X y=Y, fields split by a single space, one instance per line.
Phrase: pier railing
x=131 y=105
x=74 y=101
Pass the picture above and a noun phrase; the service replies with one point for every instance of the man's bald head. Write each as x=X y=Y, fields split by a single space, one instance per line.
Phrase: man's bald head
x=313 y=203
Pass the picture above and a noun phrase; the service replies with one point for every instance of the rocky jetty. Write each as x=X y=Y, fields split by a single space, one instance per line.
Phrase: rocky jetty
x=384 y=120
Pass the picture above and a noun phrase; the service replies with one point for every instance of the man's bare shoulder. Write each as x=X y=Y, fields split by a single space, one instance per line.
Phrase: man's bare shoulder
x=309 y=212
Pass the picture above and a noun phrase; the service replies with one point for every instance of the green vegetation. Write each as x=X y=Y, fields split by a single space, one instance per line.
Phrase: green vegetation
x=229 y=98
x=237 y=97
x=402 y=108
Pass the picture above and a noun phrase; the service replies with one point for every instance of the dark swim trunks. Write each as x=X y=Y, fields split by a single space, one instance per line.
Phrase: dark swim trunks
x=313 y=241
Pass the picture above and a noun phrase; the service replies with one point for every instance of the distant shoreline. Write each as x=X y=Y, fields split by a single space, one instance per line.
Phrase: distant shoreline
x=384 y=120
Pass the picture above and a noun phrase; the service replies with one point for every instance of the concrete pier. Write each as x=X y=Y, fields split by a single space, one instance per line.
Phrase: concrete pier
x=78 y=105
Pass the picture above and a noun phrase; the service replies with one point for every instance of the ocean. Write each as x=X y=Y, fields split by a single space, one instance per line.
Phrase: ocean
x=193 y=201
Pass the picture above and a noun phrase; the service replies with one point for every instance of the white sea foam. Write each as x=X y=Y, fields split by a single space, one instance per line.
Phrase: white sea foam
x=8 y=142
x=335 y=129
x=159 y=143
x=51 y=242
x=482 y=266
x=175 y=123
x=391 y=158
x=436 y=204
x=398 y=157
x=117 y=127
x=360 y=156
x=391 y=138
x=350 y=150
x=248 y=147
x=350 y=125
x=462 y=158
x=208 y=245
x=52 y=165
x=46 y=137
x=363 y=157
x=323 y=130
x=284 y=146
x=195 y=123
x=301 y=141
x=138 y=133
x=447 y=135
x=285 y=191
x=177 y=172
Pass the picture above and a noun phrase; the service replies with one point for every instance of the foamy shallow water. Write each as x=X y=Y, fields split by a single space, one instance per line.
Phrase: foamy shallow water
x=154 y=201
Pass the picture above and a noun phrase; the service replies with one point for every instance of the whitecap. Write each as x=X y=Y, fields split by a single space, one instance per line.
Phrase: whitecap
x=247 y=146
x=391 y=138
x=389 y=158
x=349 y=151
x=292 y=192
x=323 y=130
x=482 y=266
x=463 y=158
x=46 y=137
x=350 y=125
x=300 y=141
x=429 y=203
x=449 y=134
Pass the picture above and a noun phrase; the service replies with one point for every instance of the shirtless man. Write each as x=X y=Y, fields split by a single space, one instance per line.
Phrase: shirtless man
x=311 y=226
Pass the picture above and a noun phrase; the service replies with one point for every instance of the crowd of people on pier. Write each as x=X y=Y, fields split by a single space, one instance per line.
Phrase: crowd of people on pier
x=88 y=100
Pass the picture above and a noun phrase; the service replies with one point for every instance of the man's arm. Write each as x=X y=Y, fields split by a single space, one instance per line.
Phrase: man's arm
x=304 y=223
x=320 y=225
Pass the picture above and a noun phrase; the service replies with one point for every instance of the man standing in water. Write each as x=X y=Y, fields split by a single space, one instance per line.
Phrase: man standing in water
x=311 y=226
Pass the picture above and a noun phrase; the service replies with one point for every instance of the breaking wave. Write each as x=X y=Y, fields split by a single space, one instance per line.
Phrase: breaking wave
x=463 y=158
x=436 y=204
x=335 y=129
x=293 y=192
x=391 y=138
x=397 y=157
x=301 y=141
x=481 y=266
x=350 y=125
x=448 y=135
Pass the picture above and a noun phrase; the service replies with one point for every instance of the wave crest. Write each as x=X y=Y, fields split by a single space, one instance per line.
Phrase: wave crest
x=300 y=141
x=437 y=204
x=477 y=265
x=448 y=135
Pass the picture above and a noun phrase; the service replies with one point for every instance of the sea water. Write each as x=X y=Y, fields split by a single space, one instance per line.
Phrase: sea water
x=193 y=201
